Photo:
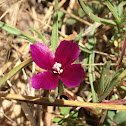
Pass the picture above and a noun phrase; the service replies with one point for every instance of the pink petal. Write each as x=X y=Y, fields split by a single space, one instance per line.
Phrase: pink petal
x=45 y=80
x=72 y=75
x=66 y=53
x=42 y=56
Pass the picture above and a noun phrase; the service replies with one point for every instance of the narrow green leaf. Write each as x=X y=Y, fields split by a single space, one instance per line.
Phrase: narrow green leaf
x=85 y=61
x=84 y=49
x=94 y=17
x=118 y=73
x=17 y=32
x=14 y=71
x=54 y=41
x=113 y=80
x=39 y=34
x=58 y=91
x=92 y=77
x=79 y=36
x=113 y=10
x=116 y=36
x=91 y=39
x=91 y=46
x=9 y=29
x=104 y=77
x=120 y=8
x=28 y=37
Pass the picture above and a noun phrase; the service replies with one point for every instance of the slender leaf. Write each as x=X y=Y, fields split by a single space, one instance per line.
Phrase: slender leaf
x=116 y=36
x=104 y=77
x=120 y=8
x=9 y=29
x=113 y=10
x=84 y=49
x=39 y=34
x=108 y=81
x=94 y=17
x=14 y=71
x=79 y=36
x=91 y=46
x=17 y=32
x=54 y=41
x=28 y=37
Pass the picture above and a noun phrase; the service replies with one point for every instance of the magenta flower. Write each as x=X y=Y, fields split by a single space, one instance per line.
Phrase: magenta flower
x=59 y=66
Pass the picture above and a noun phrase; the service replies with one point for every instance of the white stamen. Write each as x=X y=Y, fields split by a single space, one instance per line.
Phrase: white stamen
x=57 y=68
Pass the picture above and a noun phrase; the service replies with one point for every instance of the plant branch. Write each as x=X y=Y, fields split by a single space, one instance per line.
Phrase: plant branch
x=58 y=102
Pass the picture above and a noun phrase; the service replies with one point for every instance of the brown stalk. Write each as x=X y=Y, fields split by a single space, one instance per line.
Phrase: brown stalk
x=121 y=55
x=58 y=102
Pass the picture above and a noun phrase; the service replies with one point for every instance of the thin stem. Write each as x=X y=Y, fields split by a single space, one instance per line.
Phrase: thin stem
x=59 y=102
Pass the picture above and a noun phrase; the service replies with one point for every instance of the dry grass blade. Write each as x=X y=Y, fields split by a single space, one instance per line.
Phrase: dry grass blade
x=10 y=9
x=58 y=102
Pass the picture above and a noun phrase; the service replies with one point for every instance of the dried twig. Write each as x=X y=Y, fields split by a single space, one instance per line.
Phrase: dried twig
x=58 y=102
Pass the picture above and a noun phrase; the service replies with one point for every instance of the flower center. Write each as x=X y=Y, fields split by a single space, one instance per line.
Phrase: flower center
x=57 y=68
